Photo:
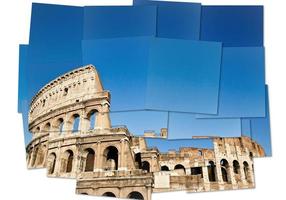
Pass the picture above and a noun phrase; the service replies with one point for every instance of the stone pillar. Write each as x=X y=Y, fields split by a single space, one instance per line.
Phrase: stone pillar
x=98 y=157
x=232 y=176
x=84 y=123
x=67 y=125
x=206 y=177
x=242 y=175
x=251 y=174
x=122 y=158
x=104 y=117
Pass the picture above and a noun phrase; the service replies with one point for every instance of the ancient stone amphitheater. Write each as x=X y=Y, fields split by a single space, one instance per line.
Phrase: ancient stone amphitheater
x=73 y=138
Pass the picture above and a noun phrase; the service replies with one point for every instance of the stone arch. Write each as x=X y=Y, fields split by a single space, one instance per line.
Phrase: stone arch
x=89 y=160
x=47 y=127
x=52 y=163
x=108 y=194
x=138 y=161
x=135 y=195
x=146 y=166
x=92 y=118
x=59 y=125
x=180 y=168
x=225 y=170
x=251 y=155
x=236 y=167
x=67 y=161
x=40 y=155
x=110 y=158
x=75 y=120
x=246 y=170
x=165 y=168
x=212 y=171
x=34 y=157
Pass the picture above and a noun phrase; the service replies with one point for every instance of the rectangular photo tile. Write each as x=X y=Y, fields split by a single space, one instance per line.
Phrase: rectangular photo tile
x=183 y=76
x=123 y=67
x=242 y=83
x=119 y=21
x=234 y=26
x=176 y=19
x=187 y=126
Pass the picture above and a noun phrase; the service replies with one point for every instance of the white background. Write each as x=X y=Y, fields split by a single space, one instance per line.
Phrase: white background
x=19 y=183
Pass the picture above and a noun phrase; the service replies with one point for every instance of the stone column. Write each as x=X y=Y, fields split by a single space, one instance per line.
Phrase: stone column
x=242 y=175
x=67 y=125
x=84 y=123
x=122 y=159
x=206 y=176
x=104 y=117
x=98 y=157
x=232 y=176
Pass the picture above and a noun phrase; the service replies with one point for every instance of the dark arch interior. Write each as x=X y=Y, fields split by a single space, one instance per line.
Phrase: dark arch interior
x=236 y=167
x=138 y=161
x=53 y=158
x=165 y=168
x=69 y=161
x=111 y=154
x=179 y=166
x=135 y=195
x=211 y=171
x=108 y=194
x=146 y=166
x=89 y=164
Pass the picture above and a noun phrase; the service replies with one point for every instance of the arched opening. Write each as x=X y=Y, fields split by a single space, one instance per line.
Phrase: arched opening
x=89 y=163
x=40 y=155
x=47 y=127
x=224 y=170
x=60 y=125
x=110 y=156
x=246 y=171
x=197 y=171
x=146 y=166
x=165 y=168
x=180 y=168
x=138 y=162
x=67 y=161
x=236 y=167
x=135 y=195
x=200 y=153
x=34 y=157
x=251 y=155
x=108 y=194
x=38 y=130
x=75 y=127
x=52 y=163
x=212 y=171
x=92 y=115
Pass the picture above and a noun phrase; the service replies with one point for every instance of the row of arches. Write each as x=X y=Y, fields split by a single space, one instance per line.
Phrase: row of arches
x=131 y=195
x=212 y=173
x=110 y=160
x=73 y=123
x=139 y=164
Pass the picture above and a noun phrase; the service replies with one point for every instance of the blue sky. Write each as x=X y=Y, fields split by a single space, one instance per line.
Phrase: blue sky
x=165 y=145
x=183 y=75
x=235 y=26
x=242 y=84
x=176 y=19
x=57 y=46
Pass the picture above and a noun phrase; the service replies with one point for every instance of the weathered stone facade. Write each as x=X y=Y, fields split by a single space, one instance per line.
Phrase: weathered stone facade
x=73 y=138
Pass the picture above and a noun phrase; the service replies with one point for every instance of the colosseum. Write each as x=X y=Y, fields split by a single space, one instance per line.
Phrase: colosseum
x=73 y=138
